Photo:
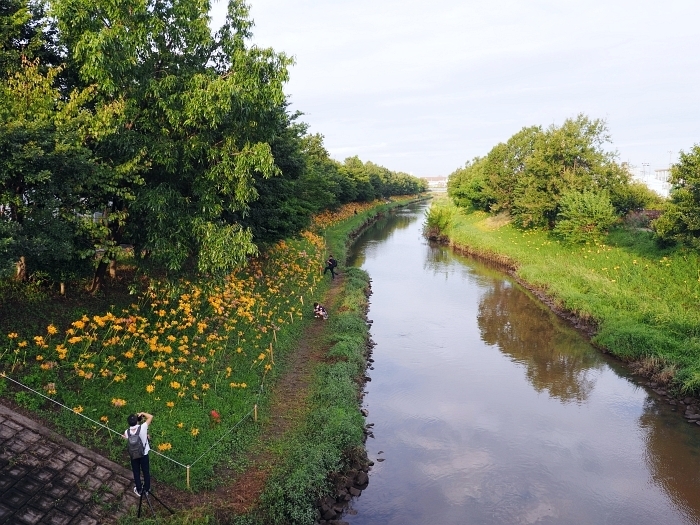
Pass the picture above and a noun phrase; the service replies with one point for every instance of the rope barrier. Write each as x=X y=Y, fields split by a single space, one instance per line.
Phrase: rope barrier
x=222 y=437
x=187 y=467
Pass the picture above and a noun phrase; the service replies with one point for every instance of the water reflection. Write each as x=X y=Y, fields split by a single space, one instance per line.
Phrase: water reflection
x=557 y=360
x=381 y=230
x=390 y=223
x=673 y=455
x=488 y=410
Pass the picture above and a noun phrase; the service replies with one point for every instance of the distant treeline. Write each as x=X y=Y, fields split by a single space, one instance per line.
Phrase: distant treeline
x=561 y=178
x=130 y=123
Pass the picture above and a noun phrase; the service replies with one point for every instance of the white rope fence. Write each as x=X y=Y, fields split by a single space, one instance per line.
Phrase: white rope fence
x=253 y=411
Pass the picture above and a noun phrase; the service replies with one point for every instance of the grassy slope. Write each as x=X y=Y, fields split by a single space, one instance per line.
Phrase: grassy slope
x=333 y=426
x=329 y=428
x=642 y=298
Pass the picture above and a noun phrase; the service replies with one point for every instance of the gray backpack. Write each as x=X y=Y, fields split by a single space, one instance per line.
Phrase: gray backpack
x=135 y=446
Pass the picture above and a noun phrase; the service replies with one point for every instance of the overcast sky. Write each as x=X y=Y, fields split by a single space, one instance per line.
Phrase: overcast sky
x=422 y=87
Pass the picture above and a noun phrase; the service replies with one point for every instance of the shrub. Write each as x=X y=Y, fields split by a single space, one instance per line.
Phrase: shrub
x=584 y=216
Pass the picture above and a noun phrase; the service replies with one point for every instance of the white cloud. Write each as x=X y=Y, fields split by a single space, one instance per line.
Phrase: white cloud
x=423 y=86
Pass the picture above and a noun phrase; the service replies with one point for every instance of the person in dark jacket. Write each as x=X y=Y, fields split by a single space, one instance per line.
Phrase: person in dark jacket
x=331 y=263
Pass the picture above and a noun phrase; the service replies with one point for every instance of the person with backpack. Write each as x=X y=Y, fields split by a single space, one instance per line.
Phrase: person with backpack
x=137 y=445
x=331 y=263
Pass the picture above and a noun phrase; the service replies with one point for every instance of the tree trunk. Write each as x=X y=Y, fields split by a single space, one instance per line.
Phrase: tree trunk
x=63 y=288
x=113 y=269
x=21 y=274
x=99 y=278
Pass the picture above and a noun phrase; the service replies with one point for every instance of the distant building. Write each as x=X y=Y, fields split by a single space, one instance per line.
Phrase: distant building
x=658 y=181
x=436 y=183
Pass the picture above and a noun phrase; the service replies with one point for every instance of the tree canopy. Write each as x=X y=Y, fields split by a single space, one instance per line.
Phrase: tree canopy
x=681 y=219
x=131 y=123
x=529 y=175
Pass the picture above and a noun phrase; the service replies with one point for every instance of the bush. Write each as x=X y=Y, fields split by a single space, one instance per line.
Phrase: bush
x=681 y=219
x=584 y=216
x=436 y=220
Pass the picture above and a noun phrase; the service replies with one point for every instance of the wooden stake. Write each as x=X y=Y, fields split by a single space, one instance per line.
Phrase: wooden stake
x=272 y=357
x=255 y=412
x=188 y=477
x=274 y=335
x=302 y=299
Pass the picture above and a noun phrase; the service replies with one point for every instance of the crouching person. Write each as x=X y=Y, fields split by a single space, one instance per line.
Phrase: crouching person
x=320 y=312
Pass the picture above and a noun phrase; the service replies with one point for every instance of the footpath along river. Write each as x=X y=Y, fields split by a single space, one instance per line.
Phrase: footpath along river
x=488 y=409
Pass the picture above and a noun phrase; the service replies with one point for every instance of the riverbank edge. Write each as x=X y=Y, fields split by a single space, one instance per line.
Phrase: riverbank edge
x=326 y=492
x=586 y=326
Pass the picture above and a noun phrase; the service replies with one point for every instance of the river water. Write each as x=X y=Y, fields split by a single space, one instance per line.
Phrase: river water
x=488 y=409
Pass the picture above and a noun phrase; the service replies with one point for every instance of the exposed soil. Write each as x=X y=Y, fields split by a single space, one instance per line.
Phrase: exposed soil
x=289 y=399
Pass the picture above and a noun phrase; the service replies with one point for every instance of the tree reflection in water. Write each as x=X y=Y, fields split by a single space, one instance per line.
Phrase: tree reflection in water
x=673 y=455
x=379 y=231
x=556 y=358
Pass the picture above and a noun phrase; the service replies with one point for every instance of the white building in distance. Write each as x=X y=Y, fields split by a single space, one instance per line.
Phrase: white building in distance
x=656 y=180
x=436 y=183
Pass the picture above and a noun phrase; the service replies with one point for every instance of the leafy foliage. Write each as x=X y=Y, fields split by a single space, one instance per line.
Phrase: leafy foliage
x=528 y=175
x=50 y=181
x=681 y=220
x=157 y=134
x=584 y=216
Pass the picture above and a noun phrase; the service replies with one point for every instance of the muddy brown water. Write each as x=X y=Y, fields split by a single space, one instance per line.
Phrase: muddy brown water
x=489 y=409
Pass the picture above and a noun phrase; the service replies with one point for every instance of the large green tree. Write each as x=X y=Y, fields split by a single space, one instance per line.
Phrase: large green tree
x=564 y=158
x=528 y=175
x=200 y=112
x=50 y=180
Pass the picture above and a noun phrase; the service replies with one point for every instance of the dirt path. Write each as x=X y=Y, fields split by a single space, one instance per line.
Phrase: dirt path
x=288 y=403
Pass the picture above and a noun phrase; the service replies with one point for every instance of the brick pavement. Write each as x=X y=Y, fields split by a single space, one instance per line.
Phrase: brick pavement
x=46 y=479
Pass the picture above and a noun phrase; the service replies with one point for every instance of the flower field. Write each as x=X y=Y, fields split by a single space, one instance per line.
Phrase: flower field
x=196 y=355
x=193 y=354
x=329 y=218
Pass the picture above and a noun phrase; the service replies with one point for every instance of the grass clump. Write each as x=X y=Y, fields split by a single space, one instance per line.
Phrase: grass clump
x=333 y=424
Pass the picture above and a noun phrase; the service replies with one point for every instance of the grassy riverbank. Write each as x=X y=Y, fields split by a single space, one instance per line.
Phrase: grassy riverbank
x=329 y=435
x=186 y=348
x=642 y=300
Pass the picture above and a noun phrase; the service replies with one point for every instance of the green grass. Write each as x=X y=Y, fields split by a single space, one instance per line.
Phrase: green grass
x=180 y=351
x=333 y=426
x=642 y=298
x=331 y=431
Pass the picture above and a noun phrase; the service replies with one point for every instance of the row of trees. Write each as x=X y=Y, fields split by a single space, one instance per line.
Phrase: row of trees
x=560 y=177
x=130 y=123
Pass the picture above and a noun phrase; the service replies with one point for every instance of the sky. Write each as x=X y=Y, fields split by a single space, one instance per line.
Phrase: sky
x=422 y=87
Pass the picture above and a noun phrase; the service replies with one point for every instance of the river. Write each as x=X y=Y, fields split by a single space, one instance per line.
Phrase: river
x=488 y=409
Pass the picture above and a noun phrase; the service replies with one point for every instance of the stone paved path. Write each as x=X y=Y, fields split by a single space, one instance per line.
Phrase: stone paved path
x=46 y=479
